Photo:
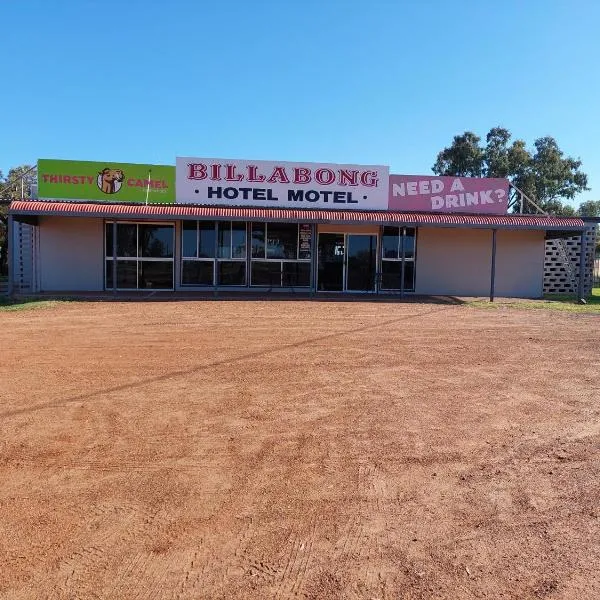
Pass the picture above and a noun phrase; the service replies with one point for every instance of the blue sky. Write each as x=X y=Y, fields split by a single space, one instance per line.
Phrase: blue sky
x=379 y=82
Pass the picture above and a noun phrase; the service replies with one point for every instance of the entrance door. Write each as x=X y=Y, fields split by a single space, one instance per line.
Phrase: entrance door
x=347 y=262
x=361 y=262
x=331 y=262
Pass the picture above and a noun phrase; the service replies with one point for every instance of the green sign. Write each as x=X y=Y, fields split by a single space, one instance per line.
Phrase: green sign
x=105 y=181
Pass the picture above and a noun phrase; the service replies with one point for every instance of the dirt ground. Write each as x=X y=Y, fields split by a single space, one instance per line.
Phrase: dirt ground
x=286 y=449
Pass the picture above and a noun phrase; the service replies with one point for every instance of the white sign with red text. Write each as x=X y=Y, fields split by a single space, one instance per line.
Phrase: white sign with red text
x=268 y=184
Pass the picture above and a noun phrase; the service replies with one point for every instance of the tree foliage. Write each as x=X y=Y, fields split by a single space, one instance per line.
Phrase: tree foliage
x=18 y=183
x=543 y=173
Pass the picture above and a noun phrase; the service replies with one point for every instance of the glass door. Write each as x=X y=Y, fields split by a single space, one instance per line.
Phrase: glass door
x=361 y=262
x=331 y=262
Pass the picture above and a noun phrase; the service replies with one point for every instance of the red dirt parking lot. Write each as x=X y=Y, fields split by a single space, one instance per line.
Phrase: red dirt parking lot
x=298 y=449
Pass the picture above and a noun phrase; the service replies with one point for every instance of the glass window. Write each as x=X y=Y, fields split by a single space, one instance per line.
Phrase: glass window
x=206 y=239
x=126 y=239
x=238 y=240
x=408 y=240
x=409 y=275
x=108 y=239
x=224 y=240
x=155 y=274
x=296 y=274
x=189 y=239
x=282 y=240
x=231 y=272
x=391 y=240
x=258 y=240
x=391 y=272
x=155 y=241
x=266 y=273
x=126 y=273
x=197 y=272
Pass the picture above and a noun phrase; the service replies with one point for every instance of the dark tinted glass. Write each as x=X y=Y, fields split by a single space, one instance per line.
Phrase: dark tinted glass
x=296 y=274
x=224 y=240
x=282 y=240
x=108 y=239
x=197 y=272
x=232 y=272
x=108 y=274
x=391 y=273
x=238 y=240
x=126 y=239
x=156 y=275
x=156 y=241
x=126 y=273
x=409 y=276
x=258 y=240
x=266 y=273
x=206 y=232
x=189 y=236
x=409 y=243
x=390 y=242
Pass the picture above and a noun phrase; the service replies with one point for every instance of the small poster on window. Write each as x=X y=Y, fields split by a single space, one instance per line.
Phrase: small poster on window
x=305 y=241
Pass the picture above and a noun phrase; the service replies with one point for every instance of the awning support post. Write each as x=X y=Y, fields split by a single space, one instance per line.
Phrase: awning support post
x=493 y=269
x=580 y=290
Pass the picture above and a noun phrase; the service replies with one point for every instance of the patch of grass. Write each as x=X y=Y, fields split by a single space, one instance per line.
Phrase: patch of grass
x=561 y=302
x=11 y=304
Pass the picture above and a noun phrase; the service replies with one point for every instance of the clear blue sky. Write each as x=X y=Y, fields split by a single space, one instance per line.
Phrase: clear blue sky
x=378 y=82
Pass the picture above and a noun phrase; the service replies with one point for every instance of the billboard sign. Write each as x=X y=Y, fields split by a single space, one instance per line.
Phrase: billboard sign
x=423 y=193
x=257 y=183
x=105 y=181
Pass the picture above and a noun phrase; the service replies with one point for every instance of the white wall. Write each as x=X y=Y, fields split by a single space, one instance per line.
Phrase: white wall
x=71 y=254
x=457 y=262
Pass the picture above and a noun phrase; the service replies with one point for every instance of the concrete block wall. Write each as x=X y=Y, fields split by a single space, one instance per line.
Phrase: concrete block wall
x=557 y=278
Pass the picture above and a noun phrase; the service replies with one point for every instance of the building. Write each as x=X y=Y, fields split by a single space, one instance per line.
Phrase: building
x=232 y=225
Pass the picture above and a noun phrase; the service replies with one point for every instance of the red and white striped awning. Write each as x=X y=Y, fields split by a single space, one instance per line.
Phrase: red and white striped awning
x=238 y=213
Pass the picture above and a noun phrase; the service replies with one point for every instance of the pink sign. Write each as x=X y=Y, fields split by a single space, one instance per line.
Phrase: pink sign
x=448 y=194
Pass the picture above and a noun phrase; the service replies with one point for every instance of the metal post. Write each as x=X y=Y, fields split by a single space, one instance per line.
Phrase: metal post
x=493 y=273
x=11 y=255
x=114 y=256
x=580 y=290
x=313 y=259
x=401 y=236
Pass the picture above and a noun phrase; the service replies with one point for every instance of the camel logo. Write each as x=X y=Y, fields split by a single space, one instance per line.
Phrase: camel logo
x=110 y=180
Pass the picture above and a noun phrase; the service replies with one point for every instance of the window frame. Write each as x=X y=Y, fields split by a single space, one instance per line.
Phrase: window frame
x=108 y=258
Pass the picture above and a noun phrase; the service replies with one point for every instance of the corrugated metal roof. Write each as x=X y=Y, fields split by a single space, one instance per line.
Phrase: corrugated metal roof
x=186 y=211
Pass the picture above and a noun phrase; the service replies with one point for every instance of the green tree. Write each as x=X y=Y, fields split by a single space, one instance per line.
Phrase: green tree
x=590 y=208
x=18 y=183
x=544 y=174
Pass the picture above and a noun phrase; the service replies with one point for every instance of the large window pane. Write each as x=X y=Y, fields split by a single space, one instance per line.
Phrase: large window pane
x=409 y=243
x=156 y=241
x=206 y=242
x=391 y=239
x=258 y=240
x=126 y=239
x=156 y=275
x=189 y=239
x=108 y=273
x=238 y=240
x=126 y=273
x=232 y=272
x=266 y=273
x=391 y=273
x=108 y=240
x=409 y=276
x=296 y=274
x=197 y=272
x=282 y=240
x=224 y=240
